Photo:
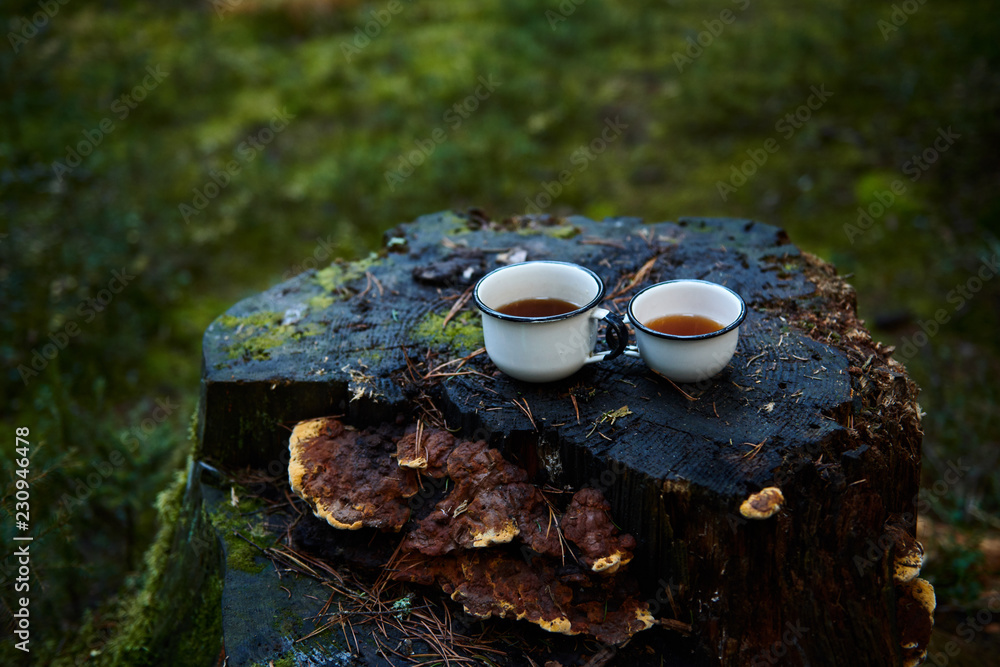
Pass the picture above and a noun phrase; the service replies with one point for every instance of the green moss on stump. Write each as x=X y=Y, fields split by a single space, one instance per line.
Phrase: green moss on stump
x=284 y=661
x=461 y=223
x=206 y=619
x=254 y=335
x=557 y=231
x=463 y=333
x=263 y=318
x=333 y=278
x=246 y=520
x=164 y=623
x=321 y=302
x=251 y=337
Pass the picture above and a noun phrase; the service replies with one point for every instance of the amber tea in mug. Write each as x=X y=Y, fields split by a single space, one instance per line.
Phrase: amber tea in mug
x=538 y=307
x=683 y=324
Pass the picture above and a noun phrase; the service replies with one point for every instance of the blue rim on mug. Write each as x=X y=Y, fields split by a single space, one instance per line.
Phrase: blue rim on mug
x=548 y=318
x=659 y=334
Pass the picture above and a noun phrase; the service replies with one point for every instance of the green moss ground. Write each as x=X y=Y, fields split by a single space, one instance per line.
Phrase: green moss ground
x=318 y=191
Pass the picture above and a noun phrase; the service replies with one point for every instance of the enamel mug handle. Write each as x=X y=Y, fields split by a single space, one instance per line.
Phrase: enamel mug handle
x=616 y=335
x=631 y=350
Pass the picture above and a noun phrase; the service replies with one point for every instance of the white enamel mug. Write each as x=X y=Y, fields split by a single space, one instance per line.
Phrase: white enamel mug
x=544 y=349
x=686 y=358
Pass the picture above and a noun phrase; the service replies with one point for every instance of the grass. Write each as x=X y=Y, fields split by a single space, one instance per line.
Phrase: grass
x=290 y=154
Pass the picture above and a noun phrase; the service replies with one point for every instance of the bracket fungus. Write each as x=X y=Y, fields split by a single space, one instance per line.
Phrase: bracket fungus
x=915 y=599
x=908 y=555
x=500 y=583
x=425 y=450
x=764 y=504
x=355 y=479
x=915 y=604
x=348 y=477
x=491 y=502
x=587 y=523
x=491 y=516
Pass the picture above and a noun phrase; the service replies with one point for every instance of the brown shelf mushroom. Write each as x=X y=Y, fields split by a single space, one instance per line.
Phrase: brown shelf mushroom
x=490 y=504
x=915 y=604
x=355 y=479
x=908 y=555
x=587 y=524
x=498 y=583
x=348 y=477
x=425 y=450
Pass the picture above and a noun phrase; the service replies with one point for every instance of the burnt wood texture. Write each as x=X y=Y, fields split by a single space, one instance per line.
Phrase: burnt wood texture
x=809 y=404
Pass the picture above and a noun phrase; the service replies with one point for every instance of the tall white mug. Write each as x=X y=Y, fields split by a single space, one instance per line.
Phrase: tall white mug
x=551 y=347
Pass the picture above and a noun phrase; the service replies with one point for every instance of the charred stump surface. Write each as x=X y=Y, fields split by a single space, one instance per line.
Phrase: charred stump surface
x=809 y=405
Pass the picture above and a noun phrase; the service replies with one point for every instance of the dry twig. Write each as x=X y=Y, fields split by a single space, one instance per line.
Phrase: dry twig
x=526 y=409
x=639 y=276
x=457 y=306
x=674 y=385
x=756 y=448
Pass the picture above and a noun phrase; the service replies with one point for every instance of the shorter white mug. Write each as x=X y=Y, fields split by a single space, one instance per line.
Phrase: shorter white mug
x=544 y=349
x=686 y=358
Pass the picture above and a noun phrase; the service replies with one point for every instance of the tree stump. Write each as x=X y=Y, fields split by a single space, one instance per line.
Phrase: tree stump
x=809 y=405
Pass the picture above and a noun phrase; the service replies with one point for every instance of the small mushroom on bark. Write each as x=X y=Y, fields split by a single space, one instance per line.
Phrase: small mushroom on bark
x=915 y=604
x=764 y=504
x=348 y=477
x=908 y=555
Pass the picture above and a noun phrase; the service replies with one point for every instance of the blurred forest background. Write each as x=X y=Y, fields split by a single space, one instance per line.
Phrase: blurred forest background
x=116 y=119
